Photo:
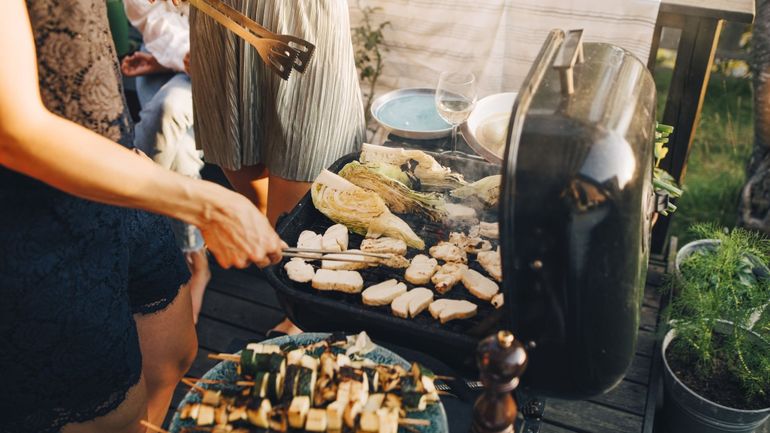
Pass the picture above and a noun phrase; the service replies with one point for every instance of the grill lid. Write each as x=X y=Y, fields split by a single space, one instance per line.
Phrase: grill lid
x=575 y=213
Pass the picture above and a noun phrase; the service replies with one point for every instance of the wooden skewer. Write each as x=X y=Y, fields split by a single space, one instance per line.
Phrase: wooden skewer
x=413 y=421
x=192 y=384
x=443 y=377
x=225 y=357
x=152 y=427
x=220 y=381
x=352 y=253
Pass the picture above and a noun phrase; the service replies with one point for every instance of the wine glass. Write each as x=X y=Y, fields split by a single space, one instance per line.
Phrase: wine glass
x=455 y=98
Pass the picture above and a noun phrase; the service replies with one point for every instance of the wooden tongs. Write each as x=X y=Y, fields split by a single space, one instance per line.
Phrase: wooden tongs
x=281 y=53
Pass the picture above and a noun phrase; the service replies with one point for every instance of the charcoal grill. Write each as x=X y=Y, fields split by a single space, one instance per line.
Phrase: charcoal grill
x=574 y=217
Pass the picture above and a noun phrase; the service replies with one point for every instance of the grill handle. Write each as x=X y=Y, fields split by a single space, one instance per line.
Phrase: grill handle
x=571 y=52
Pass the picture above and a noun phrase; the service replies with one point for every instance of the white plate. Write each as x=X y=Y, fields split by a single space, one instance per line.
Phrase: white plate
x=486 y=130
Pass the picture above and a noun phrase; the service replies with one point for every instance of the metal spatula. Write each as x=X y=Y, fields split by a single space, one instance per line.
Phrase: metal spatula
x=303 y=48
x=277 y=55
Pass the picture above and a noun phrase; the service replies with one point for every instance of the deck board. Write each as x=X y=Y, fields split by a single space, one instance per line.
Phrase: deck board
x=241 y=306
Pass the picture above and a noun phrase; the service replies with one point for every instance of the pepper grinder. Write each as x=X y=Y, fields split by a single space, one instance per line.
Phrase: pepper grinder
x=501 y=360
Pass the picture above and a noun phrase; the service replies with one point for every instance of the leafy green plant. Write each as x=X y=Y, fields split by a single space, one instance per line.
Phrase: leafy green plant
x=728 y=283
x=662 y=182
x=368 y=42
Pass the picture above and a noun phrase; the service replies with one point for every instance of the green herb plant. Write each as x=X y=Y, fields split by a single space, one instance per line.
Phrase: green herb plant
x=726 y=284
x=368 y=43
x=663 y=183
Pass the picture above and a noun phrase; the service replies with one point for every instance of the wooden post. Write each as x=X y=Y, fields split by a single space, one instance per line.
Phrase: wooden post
x=695 y=55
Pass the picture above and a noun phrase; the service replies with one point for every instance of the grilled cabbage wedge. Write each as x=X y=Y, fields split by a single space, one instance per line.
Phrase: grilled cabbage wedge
x=398 y=197
x=430 y=173
x=362 y=211
x=486 y=189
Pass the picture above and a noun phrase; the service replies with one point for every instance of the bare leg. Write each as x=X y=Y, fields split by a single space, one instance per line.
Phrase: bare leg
x=200 y=275
x=251 y=181
x=169 y=344
x=283 y=195
x=124 y=419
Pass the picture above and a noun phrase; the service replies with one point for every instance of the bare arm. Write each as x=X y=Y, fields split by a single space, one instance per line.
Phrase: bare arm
x=40 y=144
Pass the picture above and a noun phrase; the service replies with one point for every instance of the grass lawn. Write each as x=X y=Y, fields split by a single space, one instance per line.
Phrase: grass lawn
x=720 y=151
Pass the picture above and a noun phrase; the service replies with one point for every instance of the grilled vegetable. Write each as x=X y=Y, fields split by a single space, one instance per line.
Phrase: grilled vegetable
x=306 y=382
x=487 y=190
x=278 y=420
x=362 y=211
x=428 y=170
x=373 y=377
x=414 y=401
x=397 y=196
x=290 y=382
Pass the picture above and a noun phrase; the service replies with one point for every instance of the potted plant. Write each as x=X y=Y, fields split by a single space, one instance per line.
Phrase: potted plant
x=716 y=354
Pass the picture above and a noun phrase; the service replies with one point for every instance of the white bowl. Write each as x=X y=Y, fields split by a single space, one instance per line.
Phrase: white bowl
x=486 y=129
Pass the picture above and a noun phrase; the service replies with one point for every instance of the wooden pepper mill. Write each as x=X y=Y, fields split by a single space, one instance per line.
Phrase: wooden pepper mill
x=501 y=360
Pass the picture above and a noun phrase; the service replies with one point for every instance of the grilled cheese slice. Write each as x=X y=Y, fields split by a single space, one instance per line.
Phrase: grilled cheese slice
x=445 y=310
x=384 y=245
x=412 y=303
x=490 y=261
x=341 y=281
x=421 y=269
x=383 y=293
x=479 y=285
x=335 y=238
x=448 y=252
x=447 y=276
x=299 y=271
x=310 y=240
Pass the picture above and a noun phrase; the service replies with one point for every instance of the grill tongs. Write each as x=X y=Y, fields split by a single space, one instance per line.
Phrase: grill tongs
x=281 y=53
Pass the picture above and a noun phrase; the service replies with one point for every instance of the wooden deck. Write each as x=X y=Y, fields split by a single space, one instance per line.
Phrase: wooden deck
x=240 y=306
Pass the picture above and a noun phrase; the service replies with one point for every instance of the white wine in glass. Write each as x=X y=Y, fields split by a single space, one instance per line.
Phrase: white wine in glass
x=455 y=98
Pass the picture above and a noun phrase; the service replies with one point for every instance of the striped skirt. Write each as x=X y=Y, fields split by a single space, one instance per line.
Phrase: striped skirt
x=245 y=114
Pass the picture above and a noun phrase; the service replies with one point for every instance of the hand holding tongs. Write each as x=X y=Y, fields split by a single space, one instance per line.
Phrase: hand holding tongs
x=281 y=53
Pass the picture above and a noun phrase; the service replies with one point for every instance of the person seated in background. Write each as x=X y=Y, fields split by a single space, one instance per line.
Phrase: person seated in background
x=165 y=130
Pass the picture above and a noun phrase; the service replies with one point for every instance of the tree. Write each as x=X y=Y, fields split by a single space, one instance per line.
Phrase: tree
x=754 y=212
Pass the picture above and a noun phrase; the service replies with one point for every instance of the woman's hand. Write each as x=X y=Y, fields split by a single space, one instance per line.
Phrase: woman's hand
x=238 y=234
x=141 y=63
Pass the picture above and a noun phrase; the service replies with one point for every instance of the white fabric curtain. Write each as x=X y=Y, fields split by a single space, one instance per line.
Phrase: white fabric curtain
x=495 y=39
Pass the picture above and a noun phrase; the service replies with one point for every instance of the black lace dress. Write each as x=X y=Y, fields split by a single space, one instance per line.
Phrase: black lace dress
x=74 y=272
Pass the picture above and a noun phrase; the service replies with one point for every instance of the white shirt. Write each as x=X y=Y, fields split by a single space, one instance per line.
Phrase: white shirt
x=165 y=29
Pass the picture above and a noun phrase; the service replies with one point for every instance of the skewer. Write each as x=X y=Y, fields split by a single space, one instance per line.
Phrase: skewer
x=414 y=421
x=221 y=382
x=153 y=427
x=192 y=384
x=333 y=259
x=352 y=253
x=225 y=357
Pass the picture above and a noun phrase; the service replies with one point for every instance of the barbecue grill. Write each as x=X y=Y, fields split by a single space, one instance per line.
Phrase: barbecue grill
x=574 y=217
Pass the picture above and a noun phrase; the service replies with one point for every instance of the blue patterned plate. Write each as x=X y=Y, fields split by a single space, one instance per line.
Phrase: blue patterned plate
x=226 y=371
